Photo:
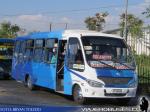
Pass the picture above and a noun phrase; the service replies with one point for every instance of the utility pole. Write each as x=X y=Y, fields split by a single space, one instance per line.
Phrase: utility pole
x=50 y=27
x=66 y=26
x=125 y=25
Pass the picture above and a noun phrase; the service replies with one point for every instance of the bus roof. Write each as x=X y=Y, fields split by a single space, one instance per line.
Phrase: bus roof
x=38 y=35
x=65 y=34
x=88 y=33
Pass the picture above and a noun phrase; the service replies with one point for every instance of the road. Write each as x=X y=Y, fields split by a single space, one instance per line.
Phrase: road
x=15 y=93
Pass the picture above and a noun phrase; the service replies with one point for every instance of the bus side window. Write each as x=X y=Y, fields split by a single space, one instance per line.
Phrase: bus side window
x=75 y=56
x=28 y=54
x=17 y=48
x=21 y=51
x=38 y=51
x=29 y=50
x=50 y=55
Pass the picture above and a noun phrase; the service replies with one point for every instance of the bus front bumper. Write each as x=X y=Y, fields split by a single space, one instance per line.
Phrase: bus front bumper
x=109 y=92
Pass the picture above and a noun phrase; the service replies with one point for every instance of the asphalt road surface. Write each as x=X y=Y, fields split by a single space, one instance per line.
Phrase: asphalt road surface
x=15 y=93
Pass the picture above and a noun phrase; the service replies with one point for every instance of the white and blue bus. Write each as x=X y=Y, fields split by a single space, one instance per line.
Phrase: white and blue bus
x=84 y=64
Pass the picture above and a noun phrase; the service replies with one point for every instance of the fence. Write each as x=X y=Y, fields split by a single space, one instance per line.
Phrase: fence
x=141 y=48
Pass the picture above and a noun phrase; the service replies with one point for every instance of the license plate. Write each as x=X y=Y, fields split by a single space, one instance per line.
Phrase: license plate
x=117 y=91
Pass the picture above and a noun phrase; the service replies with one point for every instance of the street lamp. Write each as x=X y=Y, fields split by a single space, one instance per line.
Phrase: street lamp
x=125 y=24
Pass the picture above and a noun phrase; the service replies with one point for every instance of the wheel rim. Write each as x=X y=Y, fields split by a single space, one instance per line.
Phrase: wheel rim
x=29 y=83
x=78 y=94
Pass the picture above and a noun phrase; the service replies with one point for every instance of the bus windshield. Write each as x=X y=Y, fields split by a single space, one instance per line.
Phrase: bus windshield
x=107 y=52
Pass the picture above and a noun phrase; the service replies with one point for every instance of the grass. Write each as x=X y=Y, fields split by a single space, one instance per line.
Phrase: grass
x=143 y=68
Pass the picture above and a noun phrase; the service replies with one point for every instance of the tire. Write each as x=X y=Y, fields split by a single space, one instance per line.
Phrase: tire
x=25 y=83
x=77 y=95
x=30 y=84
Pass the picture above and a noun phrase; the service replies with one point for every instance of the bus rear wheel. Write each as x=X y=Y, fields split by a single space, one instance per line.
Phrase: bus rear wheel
x=30 y=84
x=78 y=96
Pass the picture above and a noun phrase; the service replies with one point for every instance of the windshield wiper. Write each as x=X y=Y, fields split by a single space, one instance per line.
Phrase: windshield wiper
x=107 y=64
x=126 y=65
x=116 y=61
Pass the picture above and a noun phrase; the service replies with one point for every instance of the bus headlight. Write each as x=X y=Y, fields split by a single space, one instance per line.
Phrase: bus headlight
x=133 y=84
x=94 y=83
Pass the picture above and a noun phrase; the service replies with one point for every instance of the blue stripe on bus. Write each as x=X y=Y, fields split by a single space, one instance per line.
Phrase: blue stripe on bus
x=114 y=73
x=76 y=74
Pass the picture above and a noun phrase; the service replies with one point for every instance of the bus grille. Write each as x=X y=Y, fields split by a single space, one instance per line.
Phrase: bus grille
x=114 y=80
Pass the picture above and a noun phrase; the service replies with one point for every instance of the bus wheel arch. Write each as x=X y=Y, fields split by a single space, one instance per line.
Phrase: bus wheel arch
x=29 y=82
x=78 y=94
x=26 y=77
x=74 y=87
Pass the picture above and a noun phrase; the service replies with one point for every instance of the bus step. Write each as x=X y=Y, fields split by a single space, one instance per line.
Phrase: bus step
x=60 y=92
x=19 y=81
x=61 y=76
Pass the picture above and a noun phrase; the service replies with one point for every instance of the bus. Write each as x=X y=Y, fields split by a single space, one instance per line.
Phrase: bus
x=6 y=53
x=84 y=64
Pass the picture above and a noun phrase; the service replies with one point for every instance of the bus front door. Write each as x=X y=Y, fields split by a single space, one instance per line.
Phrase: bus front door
x=60 y=66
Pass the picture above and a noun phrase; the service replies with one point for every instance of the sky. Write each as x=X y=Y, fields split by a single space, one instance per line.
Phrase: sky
x=36 y=15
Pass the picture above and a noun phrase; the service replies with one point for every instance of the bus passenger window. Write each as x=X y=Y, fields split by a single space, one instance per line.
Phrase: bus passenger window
x=21 y=51
x=48 y=55
x=29 y=50
x=37 y=55
x=17 y=47
x=75 y=56
x=54 y=56
x=28 y=54
x=38 y=51
x=30 y=44
x=51 y=50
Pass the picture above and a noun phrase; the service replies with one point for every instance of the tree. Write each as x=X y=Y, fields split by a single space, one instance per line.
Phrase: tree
x=96 y=22
x=134 y=25
x=147 y=12
x=8 y=30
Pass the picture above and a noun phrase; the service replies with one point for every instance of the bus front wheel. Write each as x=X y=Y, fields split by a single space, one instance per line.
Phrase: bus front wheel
x=77 y=95
x=30 y=84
